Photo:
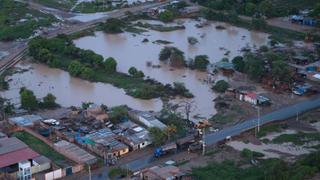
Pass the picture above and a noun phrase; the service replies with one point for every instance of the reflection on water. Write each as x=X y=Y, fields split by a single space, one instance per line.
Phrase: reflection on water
x=71 y=91
x=129 y=50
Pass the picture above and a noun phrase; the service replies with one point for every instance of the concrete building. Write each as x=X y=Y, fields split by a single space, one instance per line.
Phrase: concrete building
x=27 y=120
x=17 y=159
x=147 y=119
x=76 y=153
x=162 y=173
x=135 y=136
x=103 y=142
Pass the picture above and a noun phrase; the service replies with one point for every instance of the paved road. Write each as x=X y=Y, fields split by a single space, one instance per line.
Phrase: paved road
x=278 y=115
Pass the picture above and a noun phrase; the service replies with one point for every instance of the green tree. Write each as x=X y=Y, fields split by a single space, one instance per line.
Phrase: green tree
x=258 y=24
x=49 y=101
x=238 y=63
x=250 y=8
x=118 y=113
x=266 y=8
x=192 y=40
x=201 y=62
x=110 y=65
x=8 y=108
x=316 y=11
x=221 y=86
x=112 y=25
x=254 y=67
x=87 y=73
x=165 y=53
x=132 y=71
x=157 y=136
x=166 y=16
x=45 y=56
x=280 y=71
x=28 y=99
x=75 y=68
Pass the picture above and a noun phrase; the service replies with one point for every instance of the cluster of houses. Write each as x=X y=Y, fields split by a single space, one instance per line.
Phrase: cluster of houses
x=90 y=129
x=303 y=18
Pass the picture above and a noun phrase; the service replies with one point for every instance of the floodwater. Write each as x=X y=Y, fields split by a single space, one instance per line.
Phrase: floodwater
x=71 y=91
x=129 y=50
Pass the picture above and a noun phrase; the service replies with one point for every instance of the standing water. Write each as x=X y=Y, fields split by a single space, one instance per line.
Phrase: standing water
x=129 y=51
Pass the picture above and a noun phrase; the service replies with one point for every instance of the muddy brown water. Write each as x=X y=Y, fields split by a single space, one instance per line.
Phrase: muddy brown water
x=129 y=50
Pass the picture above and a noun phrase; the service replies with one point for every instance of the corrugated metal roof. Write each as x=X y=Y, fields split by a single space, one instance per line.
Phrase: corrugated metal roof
x=11 y=144
x=14 y=157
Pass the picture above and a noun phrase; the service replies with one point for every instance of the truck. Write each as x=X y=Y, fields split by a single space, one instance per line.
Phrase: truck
x=165 y=149
x=172 y=147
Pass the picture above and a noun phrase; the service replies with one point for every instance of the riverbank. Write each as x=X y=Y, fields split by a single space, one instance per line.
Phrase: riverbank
x=61 y=53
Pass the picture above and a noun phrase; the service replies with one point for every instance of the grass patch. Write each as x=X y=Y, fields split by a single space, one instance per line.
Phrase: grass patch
x=277 y=33
x=159 y=27
x=297 y=139
x=136 y=30
x=92 y=7
x=64 y=4
x=223 y=118
x=18 y=21
x=182 y=163
x=117 y=173
x=41 y=147
x=264 y=130
x=83 y=33
x=161 y=42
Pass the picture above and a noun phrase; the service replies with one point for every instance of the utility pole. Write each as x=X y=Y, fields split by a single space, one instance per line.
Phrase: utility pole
x=258 y=119
x=203 y=141
x=89 y=172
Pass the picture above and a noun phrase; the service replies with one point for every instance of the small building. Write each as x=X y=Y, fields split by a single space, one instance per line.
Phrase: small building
x=300 y=60
x=135 y=136
x=253 y=98
x=75 y=153
x=226 y=67
x=147 y=119
x=169 y=172
x=103 y=142
x=27 y=120
x=95 y=112
x=18 y=160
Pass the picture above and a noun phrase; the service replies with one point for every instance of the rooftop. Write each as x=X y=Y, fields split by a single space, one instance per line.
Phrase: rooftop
x=13 y=151
x=27 y=120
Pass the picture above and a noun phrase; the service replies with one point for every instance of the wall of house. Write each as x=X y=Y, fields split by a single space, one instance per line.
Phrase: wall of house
x=40 y=168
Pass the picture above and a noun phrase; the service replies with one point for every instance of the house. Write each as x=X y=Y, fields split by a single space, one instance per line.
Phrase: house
x=253 y=98
x=95 y=112
x=226 y=67
x=135 y=136
x=75 y=153
x=18 y=160
x=169 y=172
x=104 y=142
x=147 y=119
x=26 y=120
x=303 y=20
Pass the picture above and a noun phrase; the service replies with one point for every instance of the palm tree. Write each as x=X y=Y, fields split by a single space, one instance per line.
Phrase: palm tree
x=171 y=129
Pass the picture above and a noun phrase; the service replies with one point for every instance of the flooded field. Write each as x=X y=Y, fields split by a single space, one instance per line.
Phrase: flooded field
x=128 y=50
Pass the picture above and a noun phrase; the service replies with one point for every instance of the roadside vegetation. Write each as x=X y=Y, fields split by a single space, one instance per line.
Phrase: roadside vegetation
x=304 y=168
x=93 y=7
x=19 y=22
x=273 y=8
x=41 y=147
x=277 y=33
x=65 y=5
x=60 y=52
